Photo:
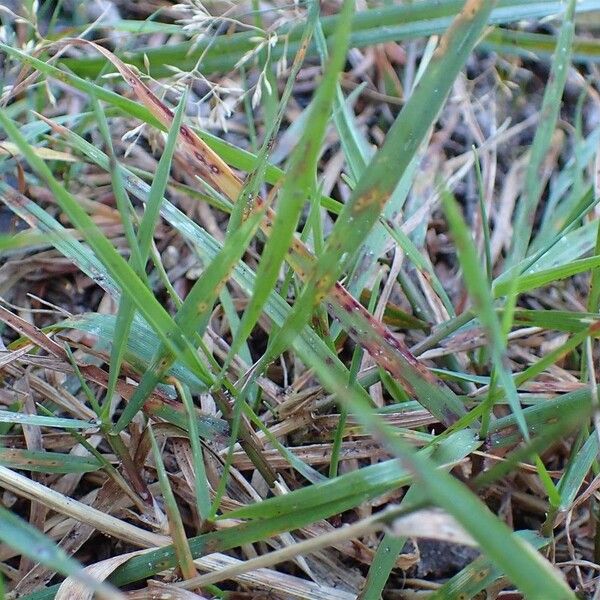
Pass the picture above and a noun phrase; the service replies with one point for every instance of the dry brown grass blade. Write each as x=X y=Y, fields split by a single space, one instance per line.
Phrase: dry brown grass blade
x=267 y=580
x=91 y=372
x=157 y=590
x=316 y=454
x=156 y=400
x=25 y=487
x=32 y=436
x=432 y=524
x=76 y=535
x=212 y=168
x=46 y=153
x=32 y=333
x=73 y=590
x=356 y=530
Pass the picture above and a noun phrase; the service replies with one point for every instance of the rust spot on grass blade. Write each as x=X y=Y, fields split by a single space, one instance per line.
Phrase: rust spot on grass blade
x=365 y=201
x=468 y=13
x=350 y=304
x=471 y=8
x=15 y=199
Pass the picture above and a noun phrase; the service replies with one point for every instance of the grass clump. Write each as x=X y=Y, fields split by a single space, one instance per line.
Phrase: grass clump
x=297 y=303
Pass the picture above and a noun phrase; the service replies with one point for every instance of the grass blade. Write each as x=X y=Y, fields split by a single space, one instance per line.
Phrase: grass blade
x=128 y=281
x=25 y=538
x=528 y=203
x=395 y=22
x=297 y=184
x=481 y=573
x=477 y=284
x=180 y=543
x=373 y=190
x=201 y=482
x=47 y=462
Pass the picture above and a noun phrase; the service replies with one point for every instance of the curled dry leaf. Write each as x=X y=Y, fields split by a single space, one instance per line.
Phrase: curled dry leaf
x=73 y=590
x=45 y=153
x=434 y=524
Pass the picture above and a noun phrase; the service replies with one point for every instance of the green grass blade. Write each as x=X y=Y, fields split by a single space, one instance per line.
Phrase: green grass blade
x=338 y=436
x=526 y=44
x=27 y=540
x=577 y=243
x=246 y=204
x=538 y=417
x=369 y=197
x=382 y=344
x=200 y=481
x=378 y=25
x=308 y=344
x=126 y=308
x=383 y=563
x=128 y=281
x=140 y=348
x=576 y=471
x=177 y=531
x=297 y=184
x=485 y=222
x=419 y=261
x=353 y=144
x=47 y=462
x=536 y=279
x=372 y=248
x=559 y=320
x=54 y=233
x=159 y=183
x=193 y=314
x=551 y=434
x=535 y=577
x=563 y=196
x=123 y=203
x=477 y=285
x=528 y=202
x=121 y=102
x=144 y=239
x=41 y=421
x=367 y=482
